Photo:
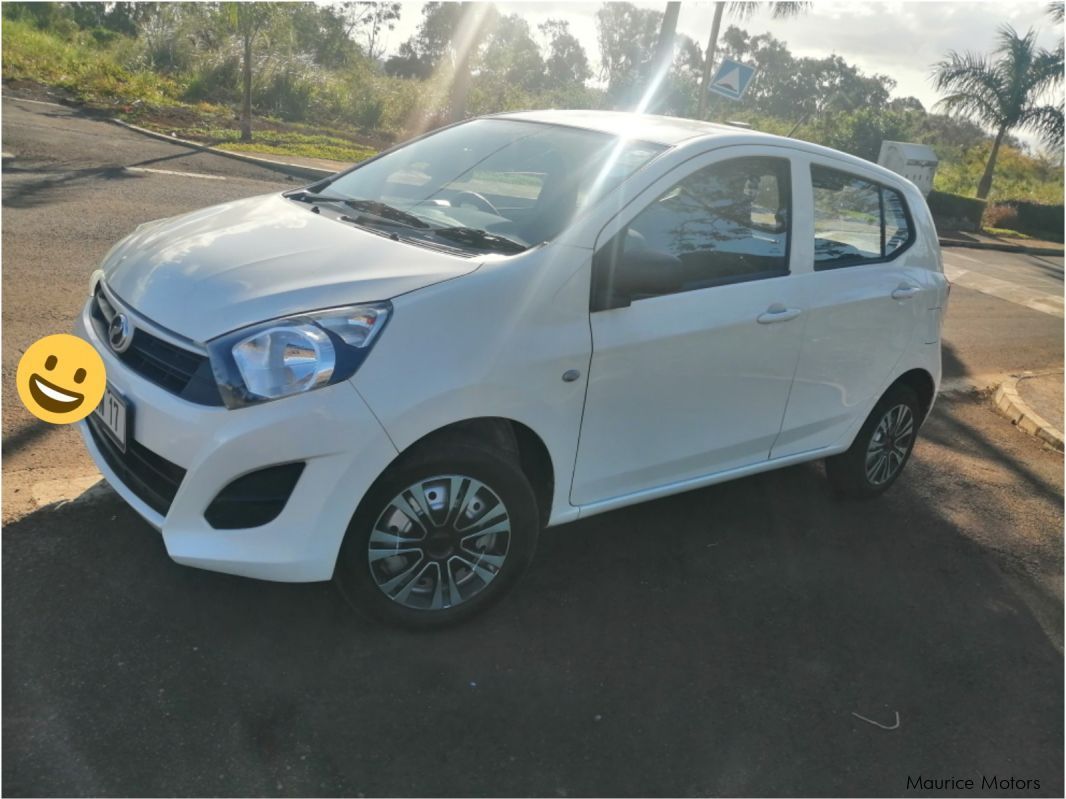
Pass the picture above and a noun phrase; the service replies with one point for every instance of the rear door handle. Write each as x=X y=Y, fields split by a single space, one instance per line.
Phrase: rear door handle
x=905 y=292
x=777 y=313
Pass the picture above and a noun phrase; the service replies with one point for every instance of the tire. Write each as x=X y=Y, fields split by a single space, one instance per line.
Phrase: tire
x=439 y=573
x=884 y=444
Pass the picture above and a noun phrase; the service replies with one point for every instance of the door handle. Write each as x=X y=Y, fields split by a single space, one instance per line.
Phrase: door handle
x=905 y=292
x=777 y=313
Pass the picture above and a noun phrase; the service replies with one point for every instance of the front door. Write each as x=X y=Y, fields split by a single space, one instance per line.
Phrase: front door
x=692 y=377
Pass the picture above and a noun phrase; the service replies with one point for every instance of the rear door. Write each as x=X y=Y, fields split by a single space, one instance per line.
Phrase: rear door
x=866 y=303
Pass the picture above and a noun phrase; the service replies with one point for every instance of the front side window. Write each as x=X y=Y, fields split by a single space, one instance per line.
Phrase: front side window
x=856 y=221
x=518 y=182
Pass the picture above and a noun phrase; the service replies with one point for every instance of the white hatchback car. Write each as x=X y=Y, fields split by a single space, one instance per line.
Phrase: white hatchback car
x=396 y=376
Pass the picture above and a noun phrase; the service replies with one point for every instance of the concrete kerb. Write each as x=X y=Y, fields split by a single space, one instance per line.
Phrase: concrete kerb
x=1004 y=247
x=285 y=167
x=1010 y=403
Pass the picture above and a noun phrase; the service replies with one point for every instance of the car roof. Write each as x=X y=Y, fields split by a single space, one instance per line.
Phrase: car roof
x=644 y=127
x=672 y=131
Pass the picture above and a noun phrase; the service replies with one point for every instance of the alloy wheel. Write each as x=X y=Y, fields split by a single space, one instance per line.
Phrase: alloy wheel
x=439 y=542
x=889 y=445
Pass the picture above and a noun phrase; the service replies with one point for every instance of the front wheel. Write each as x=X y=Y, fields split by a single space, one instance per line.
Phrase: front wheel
x=881 y=449
x=439 y=537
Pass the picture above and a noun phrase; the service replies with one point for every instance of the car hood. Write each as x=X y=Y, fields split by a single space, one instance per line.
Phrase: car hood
x=218 y=269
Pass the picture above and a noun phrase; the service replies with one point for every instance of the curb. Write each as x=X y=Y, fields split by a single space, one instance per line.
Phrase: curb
x=993 y=245
x=1011 y=405
x=285 y=167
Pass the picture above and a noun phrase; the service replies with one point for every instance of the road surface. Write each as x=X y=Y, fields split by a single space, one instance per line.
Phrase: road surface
x=718 y=642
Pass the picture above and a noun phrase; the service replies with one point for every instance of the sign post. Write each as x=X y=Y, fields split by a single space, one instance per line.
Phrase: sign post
x=732 y=79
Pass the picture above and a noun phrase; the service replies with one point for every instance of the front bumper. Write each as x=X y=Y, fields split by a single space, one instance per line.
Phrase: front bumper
x=331 y=430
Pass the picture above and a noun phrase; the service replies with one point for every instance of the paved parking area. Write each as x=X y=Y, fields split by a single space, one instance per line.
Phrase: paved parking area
x=716 y=643
x=1033 y=281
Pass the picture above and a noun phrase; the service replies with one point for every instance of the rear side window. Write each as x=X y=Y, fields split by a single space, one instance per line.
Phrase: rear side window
x=856 y=221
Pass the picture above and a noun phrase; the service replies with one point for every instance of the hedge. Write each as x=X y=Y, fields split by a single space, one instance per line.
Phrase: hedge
x=1037 y=219
x=956 y=212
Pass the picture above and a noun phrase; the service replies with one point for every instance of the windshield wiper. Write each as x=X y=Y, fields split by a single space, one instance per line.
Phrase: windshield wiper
x=385 y=211
x=372 y=207
x=475 y=237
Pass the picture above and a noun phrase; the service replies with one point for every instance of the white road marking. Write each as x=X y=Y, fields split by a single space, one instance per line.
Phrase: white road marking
x=36 y=102
x=1034 y=299
x=171 y=172
x=953 y=254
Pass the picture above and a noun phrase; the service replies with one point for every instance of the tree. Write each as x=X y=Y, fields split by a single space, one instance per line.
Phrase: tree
x=1004 y=93
x=424 y=50
x=567 y=62
x=321 y=32
x=247 y=20
x=628 y=37
x=663 y=60
x=512 y=55
x=739 y=10
x=367 y=23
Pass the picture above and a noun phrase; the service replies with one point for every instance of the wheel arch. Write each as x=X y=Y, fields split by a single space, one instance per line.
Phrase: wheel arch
x=510 y=435
x=921 y=382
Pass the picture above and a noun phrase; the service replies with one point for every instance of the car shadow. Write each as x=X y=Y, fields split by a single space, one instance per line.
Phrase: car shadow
x=716 y=642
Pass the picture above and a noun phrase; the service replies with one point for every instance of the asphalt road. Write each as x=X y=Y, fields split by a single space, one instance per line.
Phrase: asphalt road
x=717 y=642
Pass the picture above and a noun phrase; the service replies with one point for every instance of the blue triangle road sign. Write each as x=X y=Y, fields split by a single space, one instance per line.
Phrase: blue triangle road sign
x=732 y=79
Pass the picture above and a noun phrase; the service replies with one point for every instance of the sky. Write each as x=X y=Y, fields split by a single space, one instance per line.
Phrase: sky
x=900 y=39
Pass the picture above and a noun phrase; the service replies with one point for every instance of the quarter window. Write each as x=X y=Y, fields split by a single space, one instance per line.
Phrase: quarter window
x=856 y=221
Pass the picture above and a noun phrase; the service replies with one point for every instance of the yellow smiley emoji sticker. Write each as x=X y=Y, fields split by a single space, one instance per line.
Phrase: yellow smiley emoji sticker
x=61 y=379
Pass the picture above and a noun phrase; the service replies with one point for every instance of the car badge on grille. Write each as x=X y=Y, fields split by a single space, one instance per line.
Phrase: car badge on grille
x=120 y=333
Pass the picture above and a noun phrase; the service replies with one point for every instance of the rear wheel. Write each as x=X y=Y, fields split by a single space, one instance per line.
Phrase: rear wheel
x=439 y=537
x=881 y=449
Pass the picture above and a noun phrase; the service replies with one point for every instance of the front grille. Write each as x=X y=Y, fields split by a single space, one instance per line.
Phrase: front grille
x=180 y=371
x=153 y=478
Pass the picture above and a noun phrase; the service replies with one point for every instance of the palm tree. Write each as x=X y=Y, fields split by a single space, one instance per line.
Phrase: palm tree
x=1005 y=93
x=740 y=11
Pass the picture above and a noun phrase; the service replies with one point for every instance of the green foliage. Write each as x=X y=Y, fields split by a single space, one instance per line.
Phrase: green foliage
x=956 y=211
x=1038 y=219
x=627 y=38
x=91 y=72
x=282 y=143
x=1018 y=176
x=316 y=65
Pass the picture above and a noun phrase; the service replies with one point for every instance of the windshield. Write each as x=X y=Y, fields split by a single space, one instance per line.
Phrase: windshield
x=521 y=182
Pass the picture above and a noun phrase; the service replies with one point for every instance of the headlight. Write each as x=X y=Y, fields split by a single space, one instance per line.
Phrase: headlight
x=294 y=354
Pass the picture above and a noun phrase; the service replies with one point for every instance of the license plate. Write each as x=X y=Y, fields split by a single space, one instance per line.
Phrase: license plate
x=112 y=413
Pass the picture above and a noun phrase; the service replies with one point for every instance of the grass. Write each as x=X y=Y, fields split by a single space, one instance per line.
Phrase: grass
x=89 y=72
x=93 y=75
x=270 y=142
x=1005 y=233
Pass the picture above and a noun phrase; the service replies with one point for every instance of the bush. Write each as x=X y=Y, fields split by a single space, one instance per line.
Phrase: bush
x=1036 y=219
x=216 y=83
x=999 y=215
x=288 y=96
x=955 y=212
